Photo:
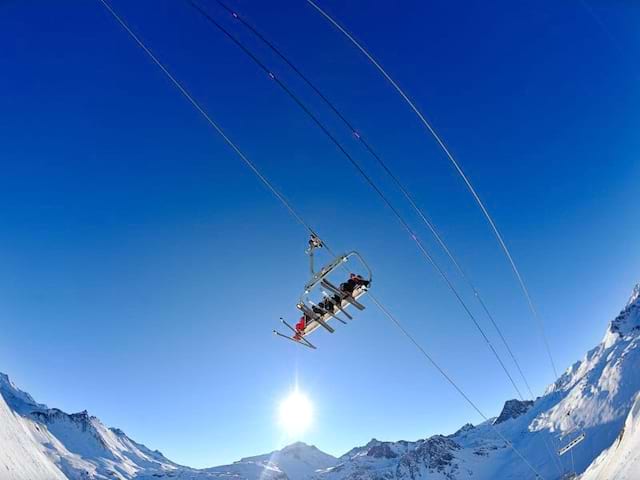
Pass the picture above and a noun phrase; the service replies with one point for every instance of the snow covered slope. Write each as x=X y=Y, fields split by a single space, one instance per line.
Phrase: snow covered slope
x=298 y=461
x=37 y=442
x=621 y=461
x=598 y=396
x=20 y=454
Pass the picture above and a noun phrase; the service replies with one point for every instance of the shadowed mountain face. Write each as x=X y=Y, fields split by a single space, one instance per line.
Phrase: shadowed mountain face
x=621 y=461
x=599 y=396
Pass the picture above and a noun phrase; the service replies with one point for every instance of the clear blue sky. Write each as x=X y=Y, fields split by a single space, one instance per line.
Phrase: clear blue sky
x=143 y=266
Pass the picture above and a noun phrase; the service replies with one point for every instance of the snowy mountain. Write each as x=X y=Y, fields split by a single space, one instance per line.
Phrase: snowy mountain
x=598 y=396
x=41 y=443
x=298 y=461
x=65 y=445
x=21 y=456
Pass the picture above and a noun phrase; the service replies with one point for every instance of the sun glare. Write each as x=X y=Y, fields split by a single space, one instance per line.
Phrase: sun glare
x=296 y=414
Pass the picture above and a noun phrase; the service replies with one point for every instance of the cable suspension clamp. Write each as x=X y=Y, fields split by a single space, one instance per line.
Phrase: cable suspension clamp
x=314 y=242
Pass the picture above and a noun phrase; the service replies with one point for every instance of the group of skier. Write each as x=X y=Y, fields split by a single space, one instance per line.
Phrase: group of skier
x=329 y=304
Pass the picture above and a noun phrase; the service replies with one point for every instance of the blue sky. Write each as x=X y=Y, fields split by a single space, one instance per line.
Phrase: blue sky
x=144 y=266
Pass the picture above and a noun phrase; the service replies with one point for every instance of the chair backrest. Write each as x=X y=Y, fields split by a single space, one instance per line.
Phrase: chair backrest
x=329 y=268
x=318 y=277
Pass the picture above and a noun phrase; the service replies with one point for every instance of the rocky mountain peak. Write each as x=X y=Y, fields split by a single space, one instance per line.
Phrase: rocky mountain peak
x=463 y=429
x=635 y=296
x=628 y=320
x=513 y=409
x=382 y=450
x=16 y=398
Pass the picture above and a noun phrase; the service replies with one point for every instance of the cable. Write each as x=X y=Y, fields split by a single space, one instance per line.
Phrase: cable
x=400 y=186
x=303 y=223
x=458 y=168
x=450 y=380
x=368 y=179
x=197 y=106
x=393 y=177
x=556 y=462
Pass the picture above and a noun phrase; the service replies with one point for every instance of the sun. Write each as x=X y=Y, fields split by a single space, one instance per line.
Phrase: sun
x=295 y=414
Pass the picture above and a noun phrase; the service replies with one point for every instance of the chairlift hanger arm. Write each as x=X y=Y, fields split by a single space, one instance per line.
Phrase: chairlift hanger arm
x=339 y=260
x=314 y=242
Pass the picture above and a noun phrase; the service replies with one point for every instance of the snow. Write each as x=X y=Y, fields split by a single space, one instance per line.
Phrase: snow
x=299 y=460
x=76 y=446
x=621 y=461
x=598 y=396
x=21 y=456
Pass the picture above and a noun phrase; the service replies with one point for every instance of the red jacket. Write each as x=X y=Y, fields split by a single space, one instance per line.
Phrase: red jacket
x=301 y=324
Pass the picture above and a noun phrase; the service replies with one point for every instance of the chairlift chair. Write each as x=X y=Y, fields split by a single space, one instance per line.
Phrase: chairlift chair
x=572 y=444
x=321 y=286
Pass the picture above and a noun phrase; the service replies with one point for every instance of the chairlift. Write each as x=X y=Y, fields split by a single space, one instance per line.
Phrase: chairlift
x=323 y=299
x=572 y=444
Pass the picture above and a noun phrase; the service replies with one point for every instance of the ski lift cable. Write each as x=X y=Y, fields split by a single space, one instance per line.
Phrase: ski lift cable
x=369 y=180
x=406 y=333
x=461 y=173
x=550 y=451
x=405 y=192
x=573 y=463
x=298 y=218
x=408 y=196
x=211 y=122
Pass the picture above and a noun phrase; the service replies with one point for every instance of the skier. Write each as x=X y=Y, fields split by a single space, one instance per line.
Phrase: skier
x=359 y=280
x=300 y=326
x=327 y=305
x=354 y=281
